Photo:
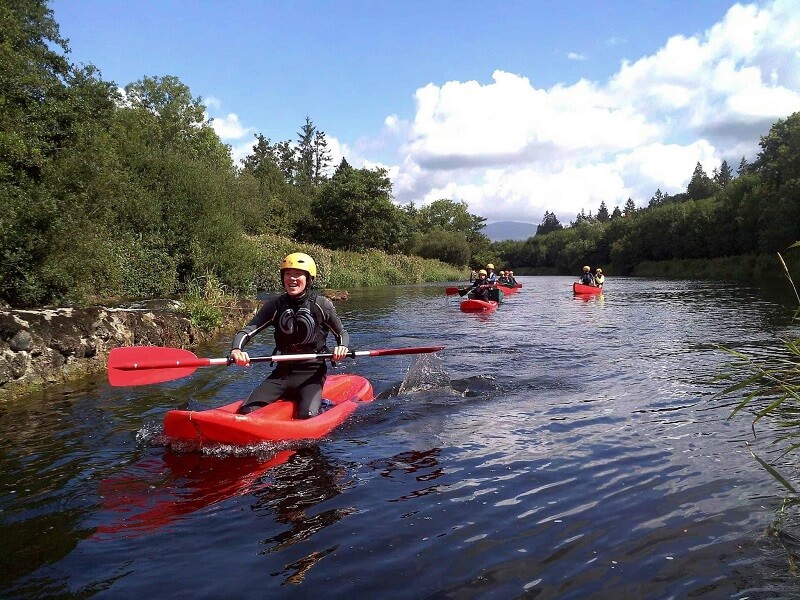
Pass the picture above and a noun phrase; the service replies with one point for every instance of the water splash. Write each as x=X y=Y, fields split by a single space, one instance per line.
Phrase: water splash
x=426 y=372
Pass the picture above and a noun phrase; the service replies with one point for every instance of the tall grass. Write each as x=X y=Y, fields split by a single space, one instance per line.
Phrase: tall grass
x=770 y=383
x=341 y=269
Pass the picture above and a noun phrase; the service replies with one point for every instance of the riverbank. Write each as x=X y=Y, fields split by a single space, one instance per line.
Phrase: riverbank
x=47 y=347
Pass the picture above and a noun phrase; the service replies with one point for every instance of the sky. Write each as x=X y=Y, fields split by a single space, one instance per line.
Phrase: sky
x=515 y=107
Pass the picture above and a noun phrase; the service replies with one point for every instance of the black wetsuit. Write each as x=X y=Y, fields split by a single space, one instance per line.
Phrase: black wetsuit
x=301 y=327
x=478 y=291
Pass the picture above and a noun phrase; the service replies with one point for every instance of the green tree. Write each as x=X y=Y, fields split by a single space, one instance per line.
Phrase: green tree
x=657 y=199
x=322 y=157
x=630 y=208
x=778 y=166
x=354 y=211
x=448 y=246
x=700 y=186
x=602 y=213
x=723 y=176
x=549 y=223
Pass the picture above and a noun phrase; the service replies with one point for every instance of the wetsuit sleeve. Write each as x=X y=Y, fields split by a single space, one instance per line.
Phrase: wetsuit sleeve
x=332 y=321
x=262 y=319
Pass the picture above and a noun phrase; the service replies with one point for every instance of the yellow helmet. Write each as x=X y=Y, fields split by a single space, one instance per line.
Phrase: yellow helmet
x=482 y=272
x=586 y=269
x=490 y=266
x=599 y=270
x=299 y=260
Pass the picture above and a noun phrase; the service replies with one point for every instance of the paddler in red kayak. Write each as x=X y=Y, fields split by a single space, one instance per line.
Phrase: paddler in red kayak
x=302 y=320
x=587 y=278
x=480 y=287
x=599 y=278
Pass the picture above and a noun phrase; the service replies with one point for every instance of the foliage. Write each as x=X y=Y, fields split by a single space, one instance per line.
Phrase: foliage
x=549 y=223
x=132 y=194
x=752 y=215
x=204 y=300
x=354 y=212
x=770 y=383
x=448 y=246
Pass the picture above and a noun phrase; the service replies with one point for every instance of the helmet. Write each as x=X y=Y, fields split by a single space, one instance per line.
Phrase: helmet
x=482 y=272
x=299 y=260
x=599 y=270
x=586 y=269
x=490 y=266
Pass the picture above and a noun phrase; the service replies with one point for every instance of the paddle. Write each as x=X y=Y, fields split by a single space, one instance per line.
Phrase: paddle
x=451 y=291
x=141 y=365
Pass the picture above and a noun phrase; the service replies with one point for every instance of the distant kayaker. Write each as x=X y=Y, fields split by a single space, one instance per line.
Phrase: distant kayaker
x=587 y=278
x=511 y=279
x=490 y=274
x=599 y=278
x=480 y=287
x=302 y=320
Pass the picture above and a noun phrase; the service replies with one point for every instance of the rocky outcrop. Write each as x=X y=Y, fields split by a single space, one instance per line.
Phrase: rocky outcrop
x=43 y=347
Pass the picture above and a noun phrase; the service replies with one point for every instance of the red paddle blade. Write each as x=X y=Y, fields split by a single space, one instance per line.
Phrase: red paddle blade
x=416 y=350
x=451 y=291
x=142 y=365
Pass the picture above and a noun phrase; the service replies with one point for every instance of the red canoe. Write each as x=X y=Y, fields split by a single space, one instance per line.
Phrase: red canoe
x=580 y=288
x=471 y=305
x=273 y=423
x=506 y=289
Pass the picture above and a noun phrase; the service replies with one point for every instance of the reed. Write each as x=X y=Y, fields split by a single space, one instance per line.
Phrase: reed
x=770 y=383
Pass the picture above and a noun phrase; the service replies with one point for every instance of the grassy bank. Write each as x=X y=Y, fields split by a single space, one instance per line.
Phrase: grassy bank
x=755 y=268
x=339 y=269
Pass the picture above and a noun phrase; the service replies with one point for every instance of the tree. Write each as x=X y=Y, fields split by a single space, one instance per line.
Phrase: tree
x=700 y=186
x=354 y=211
x=723 y=176
x=450 y=215
x=743 y=166
x=602 y=213
x=657 y=200
x=322 y=157
x=305 y=155
x=448 y=246
x=616 y=213
x=630 y=208
x=549 y=223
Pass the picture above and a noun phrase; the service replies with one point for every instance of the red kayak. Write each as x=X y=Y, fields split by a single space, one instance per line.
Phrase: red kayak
x=506 y=289
x=582 y=289
x=471 y=305
x=273 y=423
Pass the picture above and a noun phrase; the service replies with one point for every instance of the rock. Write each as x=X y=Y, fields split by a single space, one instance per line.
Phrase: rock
x=44 y=347
x=336 y=294
x=21 y=342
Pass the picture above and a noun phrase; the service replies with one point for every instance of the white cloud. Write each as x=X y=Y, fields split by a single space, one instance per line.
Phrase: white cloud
x=512 y=150
x=576 y=56
x=228 y=127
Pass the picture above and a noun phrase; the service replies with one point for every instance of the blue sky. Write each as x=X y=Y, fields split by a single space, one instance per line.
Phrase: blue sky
x=514 y=107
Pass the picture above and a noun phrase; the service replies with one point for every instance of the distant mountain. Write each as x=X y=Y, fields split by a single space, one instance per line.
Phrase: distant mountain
x=509 y=230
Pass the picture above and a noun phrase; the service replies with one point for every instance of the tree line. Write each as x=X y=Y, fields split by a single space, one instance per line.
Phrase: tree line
x=755 y=212
x=129 y=192
x=109 y=191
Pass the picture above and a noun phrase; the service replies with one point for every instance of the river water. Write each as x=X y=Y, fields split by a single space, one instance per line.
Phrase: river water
x=558 y=448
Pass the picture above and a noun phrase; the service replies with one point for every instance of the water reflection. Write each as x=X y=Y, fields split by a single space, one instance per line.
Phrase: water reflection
x=161 y=489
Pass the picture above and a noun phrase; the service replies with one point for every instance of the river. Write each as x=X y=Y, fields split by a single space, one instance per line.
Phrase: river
x=557 y=448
